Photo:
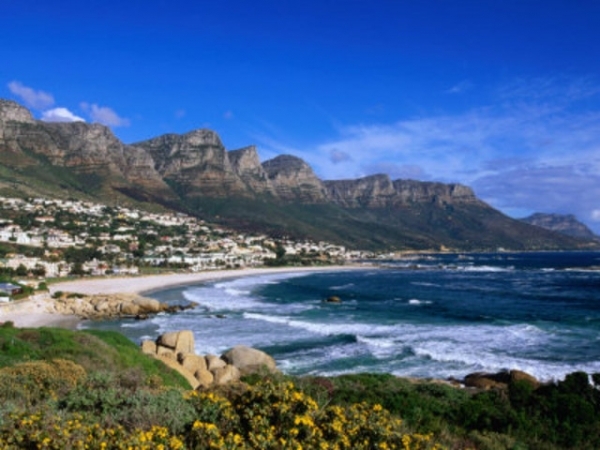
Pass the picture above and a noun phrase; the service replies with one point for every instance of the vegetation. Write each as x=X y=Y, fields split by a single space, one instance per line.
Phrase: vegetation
x=78 y=389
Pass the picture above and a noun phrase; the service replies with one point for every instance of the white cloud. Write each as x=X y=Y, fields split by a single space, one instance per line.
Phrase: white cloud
x=104 y=115
x=595 y=215
x=459 y=88
x=536 y=148
x=31 y=98
x=60 y=115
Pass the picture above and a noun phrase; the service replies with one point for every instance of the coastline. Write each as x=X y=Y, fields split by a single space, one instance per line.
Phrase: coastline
x=33 y=312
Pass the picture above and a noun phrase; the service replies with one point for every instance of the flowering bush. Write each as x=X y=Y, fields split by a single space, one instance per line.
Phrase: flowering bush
x=276 y=415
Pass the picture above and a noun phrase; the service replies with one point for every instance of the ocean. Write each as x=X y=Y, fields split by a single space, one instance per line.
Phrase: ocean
x=429 y=316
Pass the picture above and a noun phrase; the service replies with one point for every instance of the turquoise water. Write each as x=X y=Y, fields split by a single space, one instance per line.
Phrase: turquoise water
x=432 y=316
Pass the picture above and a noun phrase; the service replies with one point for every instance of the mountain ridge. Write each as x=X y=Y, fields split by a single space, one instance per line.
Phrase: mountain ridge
x=195 y=173
x=566 y=224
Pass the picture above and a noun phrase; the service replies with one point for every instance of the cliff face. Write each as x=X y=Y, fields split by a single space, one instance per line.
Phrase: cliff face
x=196 y=162
x=294 y=181
x=282 y=196
x=84 y=148
x=246 y=164
x=13 y=112
x=378 y=191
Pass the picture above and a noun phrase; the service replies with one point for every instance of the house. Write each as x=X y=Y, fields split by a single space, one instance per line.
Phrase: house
x=10 y=289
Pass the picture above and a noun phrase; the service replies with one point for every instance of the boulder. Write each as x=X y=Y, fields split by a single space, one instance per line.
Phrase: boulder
x=227 y=374
x=249 y=360
x=129 y=309
x=148 y=305
x=520 y=376
x=149 y=347
x=180 y=341
x=192 y=362
x=166 y=352
x=204 y=377
x=173 y=364
x=333 y=299
x=482 y=380
x=214 y=362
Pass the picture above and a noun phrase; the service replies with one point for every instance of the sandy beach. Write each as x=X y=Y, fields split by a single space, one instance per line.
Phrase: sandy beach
x=33 y=312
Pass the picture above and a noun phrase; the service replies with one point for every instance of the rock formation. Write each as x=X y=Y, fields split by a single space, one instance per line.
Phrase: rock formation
x=247 y=166
x=501 y=380
x=177 y=350
x=294 y=180
x=106 y=306
x=379 y=191
x=13 y=112
x=282 y=197
x=196 y=163
x=88 y=149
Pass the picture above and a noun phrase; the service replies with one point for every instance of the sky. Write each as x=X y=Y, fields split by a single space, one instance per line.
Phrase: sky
x=499 y=95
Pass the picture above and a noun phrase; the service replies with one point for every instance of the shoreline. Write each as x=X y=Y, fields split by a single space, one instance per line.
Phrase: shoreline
x=33 y=312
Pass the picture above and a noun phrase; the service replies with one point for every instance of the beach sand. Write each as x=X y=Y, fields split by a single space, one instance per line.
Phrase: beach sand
x=34 y=311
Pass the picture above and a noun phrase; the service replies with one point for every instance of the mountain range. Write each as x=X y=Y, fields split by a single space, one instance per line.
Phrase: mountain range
x=196 y=174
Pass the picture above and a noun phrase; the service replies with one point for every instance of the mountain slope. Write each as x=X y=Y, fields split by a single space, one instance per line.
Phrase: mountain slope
x=566 y=224
x=194 y=172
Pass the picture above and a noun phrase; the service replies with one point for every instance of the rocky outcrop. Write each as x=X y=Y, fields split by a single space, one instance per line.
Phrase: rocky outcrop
x=501 y=380
x=566 y=224
x=246 y=164
x=196 y=163
x=249 y=360
x=86 y=149
x=294 y=181
x=379 y=191
x=194 y=172
x=177 y=350
x=13 y=112
x=99 y=307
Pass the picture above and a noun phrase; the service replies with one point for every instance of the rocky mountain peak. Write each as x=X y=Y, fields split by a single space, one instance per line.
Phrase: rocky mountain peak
x=246 y=164
x=13 y=112
x=294 y=180
x=196 y=162
x=566 y=224
x=202 y=137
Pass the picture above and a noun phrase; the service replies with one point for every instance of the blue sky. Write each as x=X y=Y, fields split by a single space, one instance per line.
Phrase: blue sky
x=503 y=96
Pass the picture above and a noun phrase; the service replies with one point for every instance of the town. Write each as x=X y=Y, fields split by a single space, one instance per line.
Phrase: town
x=48 y=238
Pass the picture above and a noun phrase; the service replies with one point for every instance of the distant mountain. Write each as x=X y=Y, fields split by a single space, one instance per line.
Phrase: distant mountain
x=566 y=224
x=193 y=172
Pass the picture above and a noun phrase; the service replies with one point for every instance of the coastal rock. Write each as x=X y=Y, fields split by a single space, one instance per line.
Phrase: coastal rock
x=213 y=362
x=104 y=306
x=178 y=341
x=149 y=347
x=499 y=380
x=249 y=360
x=173 y=364
x=192 y=362
x=333 y=299
x=176 y=350
x=204 y=377
x=520 y=376
x=227 y=374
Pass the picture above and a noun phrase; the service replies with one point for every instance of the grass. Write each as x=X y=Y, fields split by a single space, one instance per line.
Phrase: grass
x=94 y=350
x=53 y=379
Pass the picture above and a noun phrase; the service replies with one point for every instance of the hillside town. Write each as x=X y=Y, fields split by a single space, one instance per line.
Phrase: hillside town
x=45 y=238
